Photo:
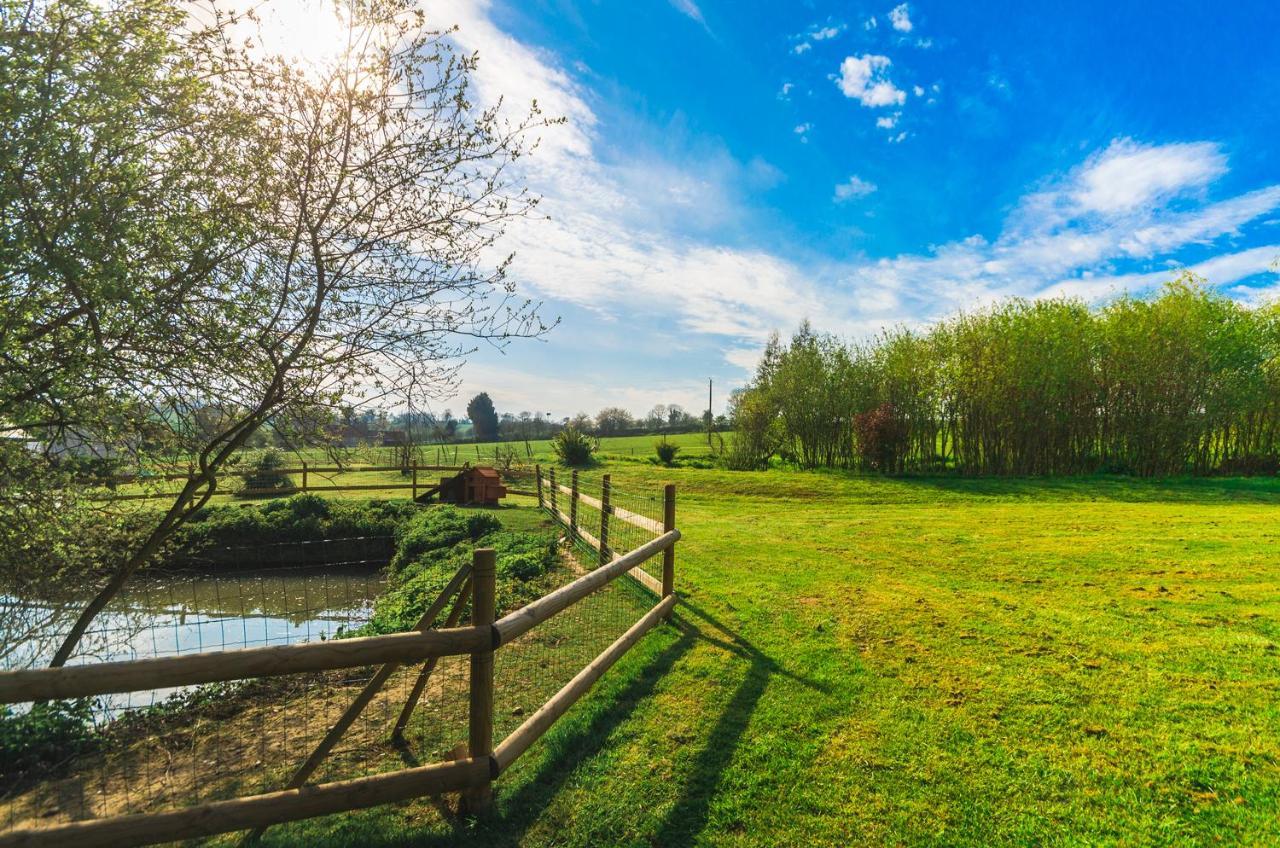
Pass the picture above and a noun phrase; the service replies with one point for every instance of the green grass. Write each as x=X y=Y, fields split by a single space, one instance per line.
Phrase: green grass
x=612 y=448
x=625 y=450
x=920 y=662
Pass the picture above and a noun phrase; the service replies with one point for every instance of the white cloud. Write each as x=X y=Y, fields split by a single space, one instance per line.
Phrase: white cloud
x=802 y=47
x=871 y=23
x=899 y=138
x=829 y=31
x=638 y=237
x=1220 y=270
x=917 y=91
x=866 y=79
x=689 y=9
x=745 y=358
x=802 y=129
x=786 y=90
x=900 y=17
x=608 y=242
x=1062 y=240
x=1127 y=175
x=888 y=122
x=853 y=188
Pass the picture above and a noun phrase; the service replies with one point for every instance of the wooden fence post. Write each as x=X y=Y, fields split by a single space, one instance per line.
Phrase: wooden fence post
x=480 y=726
x=605 y=554
x=555 y=511
x=537 y=471
x=304 y=476
x=669 y=524
x=415 y=480
x=573 y=505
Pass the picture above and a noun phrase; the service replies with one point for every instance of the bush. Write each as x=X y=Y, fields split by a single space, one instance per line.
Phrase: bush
x=439 y=529
x=757 y=437
x=266 y=479
x=301 y=518
x=574 y=447
x=882 y=438
x=441 y=541
x=44 y=738
x=666 y=451
x=1250 y=465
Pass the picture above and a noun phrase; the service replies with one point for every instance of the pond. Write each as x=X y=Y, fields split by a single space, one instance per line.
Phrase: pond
x=164 y=614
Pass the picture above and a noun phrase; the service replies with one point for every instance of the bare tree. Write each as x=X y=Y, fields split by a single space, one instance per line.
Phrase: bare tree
x=372 y=267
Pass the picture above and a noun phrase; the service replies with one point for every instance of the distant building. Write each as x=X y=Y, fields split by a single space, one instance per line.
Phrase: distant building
x=394 y=438
x=347 y=435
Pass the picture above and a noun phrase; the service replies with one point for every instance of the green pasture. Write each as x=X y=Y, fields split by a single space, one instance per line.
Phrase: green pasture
x=934 y=661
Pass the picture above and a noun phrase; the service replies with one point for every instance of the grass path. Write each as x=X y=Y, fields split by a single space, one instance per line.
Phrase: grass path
x=947 y=662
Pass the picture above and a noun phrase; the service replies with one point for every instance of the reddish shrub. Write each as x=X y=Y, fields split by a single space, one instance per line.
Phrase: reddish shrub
x=882 y=438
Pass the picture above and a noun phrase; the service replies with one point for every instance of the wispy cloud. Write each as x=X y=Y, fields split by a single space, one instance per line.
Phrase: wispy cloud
x=689 y=9
x=853 y=188
x=1068 y=236
x=825 y=32
x=643 y=237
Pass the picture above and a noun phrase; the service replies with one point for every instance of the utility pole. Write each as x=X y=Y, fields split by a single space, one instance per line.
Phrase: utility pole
x=711 y=416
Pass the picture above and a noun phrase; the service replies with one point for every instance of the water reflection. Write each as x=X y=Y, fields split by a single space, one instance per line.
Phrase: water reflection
x=164 y=614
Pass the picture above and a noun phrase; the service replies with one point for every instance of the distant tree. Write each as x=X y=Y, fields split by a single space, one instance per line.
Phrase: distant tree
x=582 y=422
x=484 y=418
x=613 y=419
x=657 y=417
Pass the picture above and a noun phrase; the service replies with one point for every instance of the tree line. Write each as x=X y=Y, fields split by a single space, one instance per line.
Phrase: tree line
x=1186 y=382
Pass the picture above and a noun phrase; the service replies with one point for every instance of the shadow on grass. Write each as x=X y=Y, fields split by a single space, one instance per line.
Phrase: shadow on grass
x=689 y=815
x=519 y=809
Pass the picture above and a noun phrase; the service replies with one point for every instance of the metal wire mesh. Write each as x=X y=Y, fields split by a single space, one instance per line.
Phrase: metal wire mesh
x=167 y=748
x=531 y=669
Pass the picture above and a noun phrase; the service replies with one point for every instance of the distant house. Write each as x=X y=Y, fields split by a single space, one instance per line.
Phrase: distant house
x=347 y=435
x=394 y=438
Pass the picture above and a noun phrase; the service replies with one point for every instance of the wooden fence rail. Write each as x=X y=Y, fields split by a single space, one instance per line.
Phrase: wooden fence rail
x=608 y=511
x=472 y=775
x=305 y=470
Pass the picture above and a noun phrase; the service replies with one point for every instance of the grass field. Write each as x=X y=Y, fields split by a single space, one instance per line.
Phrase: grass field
x=624 y=450
x=920 y=662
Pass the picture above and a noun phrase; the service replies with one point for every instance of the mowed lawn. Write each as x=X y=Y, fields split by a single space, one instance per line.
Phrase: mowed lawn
x=920 y=662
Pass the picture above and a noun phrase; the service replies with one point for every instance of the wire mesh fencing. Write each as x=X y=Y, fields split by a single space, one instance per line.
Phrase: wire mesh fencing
x=167 y=749
x=164 y=748
x=602 y=520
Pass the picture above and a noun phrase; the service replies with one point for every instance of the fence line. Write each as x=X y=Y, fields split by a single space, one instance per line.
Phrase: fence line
x=608 y=510
x=471 y=773
x=305 y=471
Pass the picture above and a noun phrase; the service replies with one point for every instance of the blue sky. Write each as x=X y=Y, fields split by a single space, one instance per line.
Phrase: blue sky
x=728 y=168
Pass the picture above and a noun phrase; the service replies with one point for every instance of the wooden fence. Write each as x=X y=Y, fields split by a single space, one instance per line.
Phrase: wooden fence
x=471 y=774
x=415 y=485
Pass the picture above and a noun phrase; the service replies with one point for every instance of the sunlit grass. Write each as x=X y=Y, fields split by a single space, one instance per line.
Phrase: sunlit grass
x=923 y=662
